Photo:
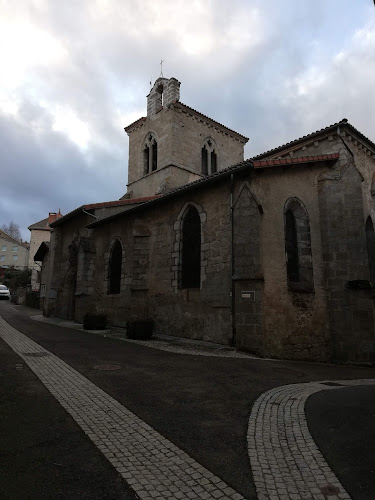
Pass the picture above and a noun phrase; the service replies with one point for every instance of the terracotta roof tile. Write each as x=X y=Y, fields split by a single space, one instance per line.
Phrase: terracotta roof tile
x=220 y=174
x=42 y=224
x=297 y=161
x=105 y=204
x=117 y=203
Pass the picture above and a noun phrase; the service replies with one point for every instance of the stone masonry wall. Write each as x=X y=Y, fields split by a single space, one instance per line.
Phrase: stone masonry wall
x=180 y=138
x=70 y=286
x=150 y=272
x=345 y=203
x=294 y=323
x=162 y=180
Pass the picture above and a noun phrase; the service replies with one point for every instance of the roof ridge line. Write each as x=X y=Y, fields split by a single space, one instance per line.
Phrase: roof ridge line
x=344 y=121
x=208 y=118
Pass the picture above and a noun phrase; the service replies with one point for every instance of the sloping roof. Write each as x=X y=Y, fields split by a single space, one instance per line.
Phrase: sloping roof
x=41 y=225
x=330 y=128
x=105 y=204
x=6 y=236
x=192 y=111
x=284 y=162
x=42 y=250
x=218 y=176
x=140 y=120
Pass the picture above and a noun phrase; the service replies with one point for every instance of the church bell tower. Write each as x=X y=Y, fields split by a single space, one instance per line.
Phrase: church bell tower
x=175 y=144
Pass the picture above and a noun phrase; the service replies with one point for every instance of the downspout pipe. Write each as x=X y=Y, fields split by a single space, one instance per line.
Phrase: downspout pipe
x=250 y=167
x=233 y=284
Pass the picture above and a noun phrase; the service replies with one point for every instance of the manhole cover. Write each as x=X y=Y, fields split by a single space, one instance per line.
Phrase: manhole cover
x=330 y=490
x=107 y=367
x=36 y=354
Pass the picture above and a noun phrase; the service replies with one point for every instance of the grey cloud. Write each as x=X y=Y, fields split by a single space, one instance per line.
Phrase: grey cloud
x=111 y=58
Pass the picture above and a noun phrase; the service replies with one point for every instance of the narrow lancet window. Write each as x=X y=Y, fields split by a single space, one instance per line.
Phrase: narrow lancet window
x=115 y=264
x=154 y=155
x=204 y=161
x=213 y=162
x=291 y=245
x=146 y=160
x=150 y=154
x=191 y=249
x=299 y=264
x=209 y=157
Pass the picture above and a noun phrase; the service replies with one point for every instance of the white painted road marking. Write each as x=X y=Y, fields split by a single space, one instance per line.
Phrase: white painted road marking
x=153 y=466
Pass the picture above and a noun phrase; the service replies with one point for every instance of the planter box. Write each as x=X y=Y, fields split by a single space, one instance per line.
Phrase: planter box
x=94 y=321
x=140 y=329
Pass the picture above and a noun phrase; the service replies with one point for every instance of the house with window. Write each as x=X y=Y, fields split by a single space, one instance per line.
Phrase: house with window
x=13 y=253
x=274 y=255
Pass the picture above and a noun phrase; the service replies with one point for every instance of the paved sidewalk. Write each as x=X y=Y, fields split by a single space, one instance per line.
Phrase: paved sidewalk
x=177 y=345
x=153 y=466
x=286 y=462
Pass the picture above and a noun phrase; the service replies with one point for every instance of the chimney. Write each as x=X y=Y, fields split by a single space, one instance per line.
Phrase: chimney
x=53 y=216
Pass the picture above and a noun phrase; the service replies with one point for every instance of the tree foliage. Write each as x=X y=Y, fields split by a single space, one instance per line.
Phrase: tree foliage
x=14 y=278
x=12 y=229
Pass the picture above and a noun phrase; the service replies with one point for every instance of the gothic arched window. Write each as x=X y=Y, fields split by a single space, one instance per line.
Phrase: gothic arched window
x=370 y=238
x=150 y=154
x=115 y=264
x=209 y=157
x=191 y=249
x=298 y=246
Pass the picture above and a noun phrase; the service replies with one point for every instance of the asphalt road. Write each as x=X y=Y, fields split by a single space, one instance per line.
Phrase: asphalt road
x=202 y=404
x=342 y=423
x=43 y=452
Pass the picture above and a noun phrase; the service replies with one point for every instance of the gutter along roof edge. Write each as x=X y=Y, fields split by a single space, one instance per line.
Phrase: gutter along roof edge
x=183 y=189
x=247 y=164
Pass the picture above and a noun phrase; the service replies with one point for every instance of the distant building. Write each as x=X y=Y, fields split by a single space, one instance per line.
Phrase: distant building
x=13 y=253
x=40 y=231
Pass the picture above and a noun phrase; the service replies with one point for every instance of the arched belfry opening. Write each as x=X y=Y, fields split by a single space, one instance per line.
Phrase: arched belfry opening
x=160 y=91
x=164 y=92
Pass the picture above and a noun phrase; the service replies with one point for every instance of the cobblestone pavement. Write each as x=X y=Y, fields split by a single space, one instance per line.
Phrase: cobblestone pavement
x=285 y=461
x=153 y=466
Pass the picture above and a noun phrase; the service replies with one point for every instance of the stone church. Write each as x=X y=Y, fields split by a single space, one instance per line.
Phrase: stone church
x=274 y=255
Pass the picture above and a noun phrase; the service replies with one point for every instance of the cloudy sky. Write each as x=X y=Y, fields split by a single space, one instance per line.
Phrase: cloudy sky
x=74 y=73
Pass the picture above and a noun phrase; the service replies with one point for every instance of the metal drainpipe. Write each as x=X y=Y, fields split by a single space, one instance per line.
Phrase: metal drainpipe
x=233 y=312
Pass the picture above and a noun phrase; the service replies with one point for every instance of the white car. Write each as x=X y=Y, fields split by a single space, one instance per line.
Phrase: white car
x=4 y=292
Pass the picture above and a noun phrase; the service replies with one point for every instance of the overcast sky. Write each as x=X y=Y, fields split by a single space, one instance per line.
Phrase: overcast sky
x=73 y=74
